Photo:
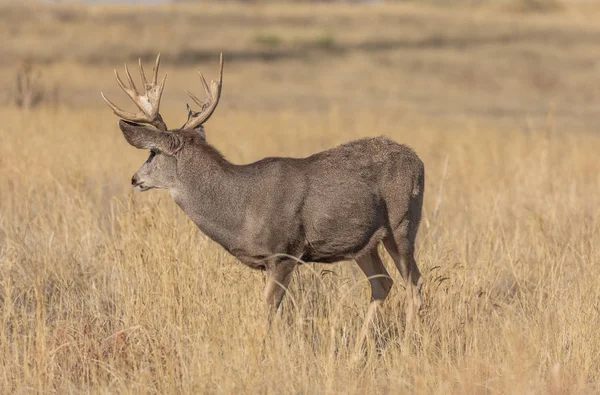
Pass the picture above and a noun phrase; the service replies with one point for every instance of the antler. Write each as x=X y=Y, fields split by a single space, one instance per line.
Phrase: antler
x=148 y=103
x=207 y=108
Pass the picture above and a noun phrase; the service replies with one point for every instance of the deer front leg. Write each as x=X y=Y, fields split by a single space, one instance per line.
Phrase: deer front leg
x=279 y=276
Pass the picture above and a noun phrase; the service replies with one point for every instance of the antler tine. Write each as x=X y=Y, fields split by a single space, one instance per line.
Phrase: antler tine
x=131 y=83
x=118 y=112
x=122 y=84
x=142 y=74
x=195 y=99
x=204 y=84
x=161 y=86
x=148 y=103
x=155 y=69
x=213 y=94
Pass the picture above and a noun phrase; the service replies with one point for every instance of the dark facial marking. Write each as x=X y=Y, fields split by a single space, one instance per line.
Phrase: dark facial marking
x=152 y=155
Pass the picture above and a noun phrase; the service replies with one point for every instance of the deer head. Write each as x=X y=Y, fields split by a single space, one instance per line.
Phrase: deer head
x=146 y=129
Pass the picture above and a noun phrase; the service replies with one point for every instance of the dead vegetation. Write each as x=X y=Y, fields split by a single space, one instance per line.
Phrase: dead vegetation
x=104 y=289
x=29 y=91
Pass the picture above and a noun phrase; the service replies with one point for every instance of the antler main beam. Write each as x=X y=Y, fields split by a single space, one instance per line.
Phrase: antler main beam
x=148 y=103
x=212 y=93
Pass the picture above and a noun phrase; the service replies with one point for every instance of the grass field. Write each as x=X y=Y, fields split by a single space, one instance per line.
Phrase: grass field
x=107 y=290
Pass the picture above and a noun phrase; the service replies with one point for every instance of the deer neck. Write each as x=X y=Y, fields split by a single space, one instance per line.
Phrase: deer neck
x=212 y=192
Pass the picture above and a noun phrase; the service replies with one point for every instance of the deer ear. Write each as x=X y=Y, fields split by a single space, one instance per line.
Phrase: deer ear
x=148 y=137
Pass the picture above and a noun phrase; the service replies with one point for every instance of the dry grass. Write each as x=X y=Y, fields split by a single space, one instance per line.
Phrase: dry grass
x=106 y=289
x=103 y=289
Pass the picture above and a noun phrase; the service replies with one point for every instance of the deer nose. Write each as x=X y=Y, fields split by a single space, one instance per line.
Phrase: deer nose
x=134 y=180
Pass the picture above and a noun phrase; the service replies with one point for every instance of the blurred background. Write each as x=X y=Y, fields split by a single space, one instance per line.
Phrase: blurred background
x=500 y=61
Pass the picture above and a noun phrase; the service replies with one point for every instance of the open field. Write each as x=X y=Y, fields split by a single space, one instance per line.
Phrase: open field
x=435 y=62
x=107 y=290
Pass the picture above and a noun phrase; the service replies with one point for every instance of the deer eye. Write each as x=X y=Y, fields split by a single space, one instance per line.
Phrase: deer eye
x=152 y=155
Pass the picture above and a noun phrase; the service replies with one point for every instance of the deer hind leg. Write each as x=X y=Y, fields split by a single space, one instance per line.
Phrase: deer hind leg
x=401 y=248
x=279 y=275
x=381 y=283
x=380 y=280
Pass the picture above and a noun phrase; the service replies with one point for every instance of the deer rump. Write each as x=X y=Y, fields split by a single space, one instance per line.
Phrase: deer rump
x=331 y=206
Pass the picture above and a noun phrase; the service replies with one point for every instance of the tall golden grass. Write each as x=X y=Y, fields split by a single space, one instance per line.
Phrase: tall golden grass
x=107 y=290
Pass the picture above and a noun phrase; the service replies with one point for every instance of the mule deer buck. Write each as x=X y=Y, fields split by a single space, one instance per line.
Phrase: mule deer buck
x=276 y=213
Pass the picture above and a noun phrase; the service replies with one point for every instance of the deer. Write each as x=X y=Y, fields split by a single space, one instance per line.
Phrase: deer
x=280 y=212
